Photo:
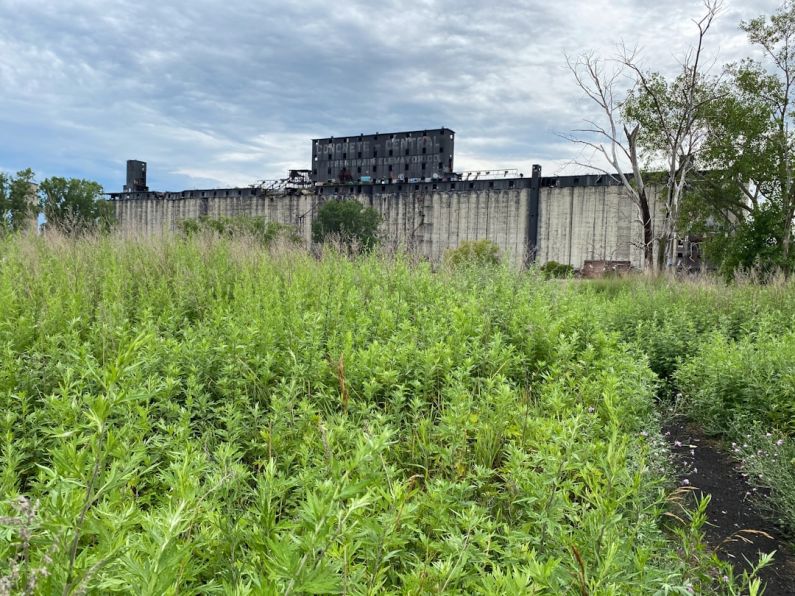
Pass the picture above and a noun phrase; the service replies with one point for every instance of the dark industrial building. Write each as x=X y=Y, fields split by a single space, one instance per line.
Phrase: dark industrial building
x=413 y=156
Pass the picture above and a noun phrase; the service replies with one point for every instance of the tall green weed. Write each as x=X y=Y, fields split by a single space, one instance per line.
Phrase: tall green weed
x=204 y=416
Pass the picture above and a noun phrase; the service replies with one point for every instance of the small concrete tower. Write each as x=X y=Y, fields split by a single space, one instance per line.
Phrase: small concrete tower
x=136 y=176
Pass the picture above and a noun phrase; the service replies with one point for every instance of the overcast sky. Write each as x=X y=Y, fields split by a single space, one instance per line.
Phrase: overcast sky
x=214 y=93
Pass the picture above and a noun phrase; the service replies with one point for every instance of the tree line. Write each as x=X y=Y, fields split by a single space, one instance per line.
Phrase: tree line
x=69 y=205
x=713 y=146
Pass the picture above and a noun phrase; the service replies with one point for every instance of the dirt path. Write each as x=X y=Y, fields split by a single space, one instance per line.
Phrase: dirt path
x=704 y=466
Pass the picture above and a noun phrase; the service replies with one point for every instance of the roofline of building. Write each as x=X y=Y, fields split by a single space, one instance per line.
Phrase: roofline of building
x=568 y=181
x=443 y=129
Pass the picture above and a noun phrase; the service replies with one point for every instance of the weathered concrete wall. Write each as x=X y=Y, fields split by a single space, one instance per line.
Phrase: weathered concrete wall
x=575 y=224
x=163 y=215
x=580 y=223
x=432 y=223
x=427 y=222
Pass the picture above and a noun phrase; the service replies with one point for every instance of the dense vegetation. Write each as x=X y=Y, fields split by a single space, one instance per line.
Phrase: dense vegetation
x=70 y=205
x=347 y=221
x=726 y=356
x=201 y=416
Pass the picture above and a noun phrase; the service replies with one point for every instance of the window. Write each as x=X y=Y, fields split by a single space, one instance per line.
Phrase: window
x=452 y=186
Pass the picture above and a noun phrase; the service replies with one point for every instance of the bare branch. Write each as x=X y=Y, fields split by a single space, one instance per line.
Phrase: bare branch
x=674 y=109
x=590 y=166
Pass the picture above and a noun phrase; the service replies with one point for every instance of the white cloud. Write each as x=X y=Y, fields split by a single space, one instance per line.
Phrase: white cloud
x=229 y=93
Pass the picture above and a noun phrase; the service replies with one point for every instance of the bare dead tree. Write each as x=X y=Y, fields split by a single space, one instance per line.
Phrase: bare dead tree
x=612 y=139
x=656 y=122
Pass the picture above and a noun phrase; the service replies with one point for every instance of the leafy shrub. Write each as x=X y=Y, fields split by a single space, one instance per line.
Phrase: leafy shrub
x=555 y=270
x=347 y=220
x=474 y=252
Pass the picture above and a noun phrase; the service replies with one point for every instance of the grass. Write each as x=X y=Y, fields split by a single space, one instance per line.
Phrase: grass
x=202 y=415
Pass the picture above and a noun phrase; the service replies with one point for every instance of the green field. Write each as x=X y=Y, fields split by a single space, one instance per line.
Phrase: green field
x=206 y=416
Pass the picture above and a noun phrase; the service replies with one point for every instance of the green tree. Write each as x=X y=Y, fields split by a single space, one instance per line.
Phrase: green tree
x=17 y=194
x=751 y=140
x=670 y=115
x=349 y=220
x=72 y=205
x=754 y=245
x=712 y=211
